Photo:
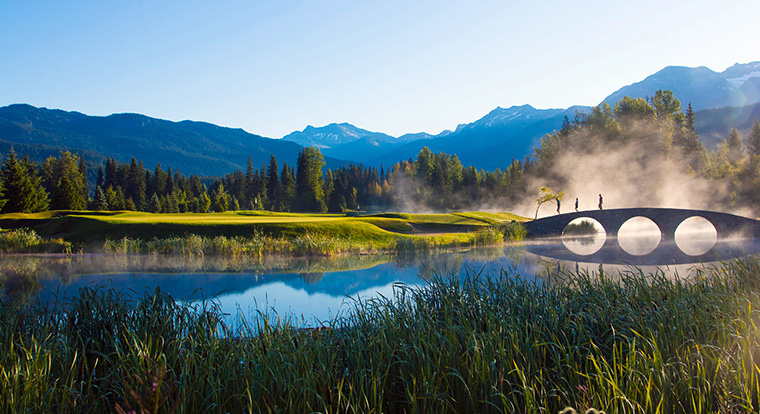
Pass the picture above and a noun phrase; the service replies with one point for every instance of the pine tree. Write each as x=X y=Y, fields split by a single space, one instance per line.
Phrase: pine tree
x=39 y=198
x=753 y=140
x=173 y=203
x=159 y=181
x=135 y=185
x=71 y=193
x=115 y=198
x=666 y=105
x=331 y=194
x=735 y=147
x=288 y=188
x=22 y=187
x=83 y=185
x=112 y=174
x=155 y=204
x=66 y=196
x=204 y=203
x=3 y=200
x=273 y=185
x=220 y=198
x=100 y=201
x=309 y=192
x=101 y=179
x=171 y=181
x=250 y=178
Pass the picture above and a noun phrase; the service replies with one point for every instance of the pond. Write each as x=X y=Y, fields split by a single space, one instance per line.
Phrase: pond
x=309 y=291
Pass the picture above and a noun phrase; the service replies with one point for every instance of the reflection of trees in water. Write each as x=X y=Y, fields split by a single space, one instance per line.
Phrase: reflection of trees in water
x=20 y=280
x=311 y=278
x=582 y=240
x=20 y=275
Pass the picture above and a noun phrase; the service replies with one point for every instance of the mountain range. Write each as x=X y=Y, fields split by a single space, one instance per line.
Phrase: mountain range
x=722 y=101
x=511 y=133
x=190 y=147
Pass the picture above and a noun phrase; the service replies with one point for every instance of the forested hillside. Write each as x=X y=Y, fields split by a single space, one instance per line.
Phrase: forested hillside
x=193 y=147
x=638 y=153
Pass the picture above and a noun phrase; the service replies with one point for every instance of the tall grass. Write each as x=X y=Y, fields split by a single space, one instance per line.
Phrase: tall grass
x=28 y=241
x=510 y=232
x=192 y=245
x=307 y=244
x=638 y=343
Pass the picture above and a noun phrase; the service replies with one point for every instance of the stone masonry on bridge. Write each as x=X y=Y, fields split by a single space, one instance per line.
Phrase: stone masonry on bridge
x=667 y=219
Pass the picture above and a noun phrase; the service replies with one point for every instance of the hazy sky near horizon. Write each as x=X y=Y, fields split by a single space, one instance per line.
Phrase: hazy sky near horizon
x=272 y=67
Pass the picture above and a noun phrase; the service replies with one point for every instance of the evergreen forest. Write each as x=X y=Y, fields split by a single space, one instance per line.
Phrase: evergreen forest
x=650 y=130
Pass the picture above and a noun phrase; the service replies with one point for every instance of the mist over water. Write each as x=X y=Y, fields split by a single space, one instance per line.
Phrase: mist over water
x=696 y=236
x=639 y=236
x=307 y=291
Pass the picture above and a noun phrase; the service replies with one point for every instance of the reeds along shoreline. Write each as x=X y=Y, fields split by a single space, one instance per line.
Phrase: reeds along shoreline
x=28 y=241
x=481 y=343
x=258 y=244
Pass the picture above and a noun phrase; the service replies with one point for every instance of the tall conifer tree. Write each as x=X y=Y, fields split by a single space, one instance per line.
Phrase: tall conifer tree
x=23 y=191
x=309 y=192
x=753 y=140
x=273 y=185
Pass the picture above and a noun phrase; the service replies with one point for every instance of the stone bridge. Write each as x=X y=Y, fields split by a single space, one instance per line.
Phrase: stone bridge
x=667 y=219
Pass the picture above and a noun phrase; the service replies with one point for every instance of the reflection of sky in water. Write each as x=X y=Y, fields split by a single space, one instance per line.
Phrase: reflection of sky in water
x=584 y=245
x=289 y=301
x=306 y=297
x=639 y=236
x=696 y=236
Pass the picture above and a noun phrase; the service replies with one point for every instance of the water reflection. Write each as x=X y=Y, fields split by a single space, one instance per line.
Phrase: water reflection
x=307 y=289
x=696 y=236
x=639 y=236
x=584 y=236
x=584 y=245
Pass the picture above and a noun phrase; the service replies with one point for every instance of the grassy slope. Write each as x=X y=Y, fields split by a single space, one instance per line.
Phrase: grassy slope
x=95 y=227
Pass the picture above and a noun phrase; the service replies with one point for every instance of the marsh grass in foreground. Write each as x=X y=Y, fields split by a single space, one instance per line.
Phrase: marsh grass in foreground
x=481 y=343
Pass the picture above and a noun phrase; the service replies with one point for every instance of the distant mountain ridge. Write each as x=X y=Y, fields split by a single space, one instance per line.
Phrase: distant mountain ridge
x=511 y=133
x=738 y=85
x=333 y=135
x=192 y=147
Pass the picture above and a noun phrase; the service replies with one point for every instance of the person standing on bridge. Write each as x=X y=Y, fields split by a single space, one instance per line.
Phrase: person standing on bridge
x=558 y=206
x=600 y=201
x=576 y=204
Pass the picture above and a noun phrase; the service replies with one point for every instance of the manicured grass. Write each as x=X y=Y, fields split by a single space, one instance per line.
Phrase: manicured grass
x=630 y=343
x=89 y=230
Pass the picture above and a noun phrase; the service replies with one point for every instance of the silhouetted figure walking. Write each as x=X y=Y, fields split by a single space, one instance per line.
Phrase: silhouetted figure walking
x=576 y=204
x=600 y=201
x=558 y=206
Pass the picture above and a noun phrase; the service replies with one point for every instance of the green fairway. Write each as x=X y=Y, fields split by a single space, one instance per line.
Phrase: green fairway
x=92 y=228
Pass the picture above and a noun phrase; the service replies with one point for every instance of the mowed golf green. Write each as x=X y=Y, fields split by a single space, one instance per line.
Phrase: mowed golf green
x=93 y=227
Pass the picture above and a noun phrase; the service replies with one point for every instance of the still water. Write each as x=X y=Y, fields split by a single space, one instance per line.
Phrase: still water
x=311 y=290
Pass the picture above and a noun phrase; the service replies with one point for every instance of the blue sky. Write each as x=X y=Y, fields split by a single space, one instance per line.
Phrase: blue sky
x=391 y=66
